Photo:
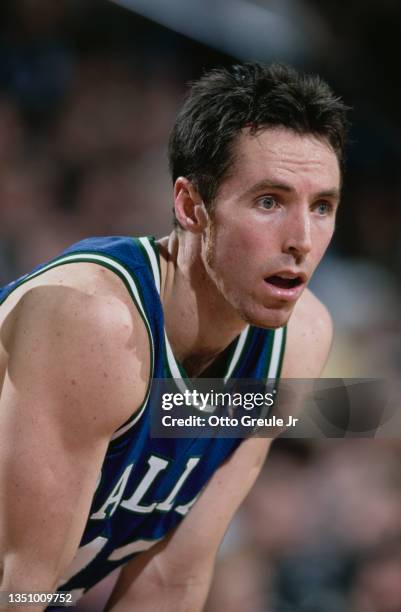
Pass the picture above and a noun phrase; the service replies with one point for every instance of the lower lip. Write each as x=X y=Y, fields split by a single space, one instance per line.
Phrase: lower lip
x=290 y=294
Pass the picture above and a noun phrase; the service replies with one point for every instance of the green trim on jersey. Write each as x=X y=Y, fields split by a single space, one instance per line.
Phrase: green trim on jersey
x=151 y=254
x=270 y=341
x=277 y=352
x=173 y=369
x=282 y=351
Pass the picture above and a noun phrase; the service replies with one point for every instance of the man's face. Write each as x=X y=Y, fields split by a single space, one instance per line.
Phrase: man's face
x=272 y=221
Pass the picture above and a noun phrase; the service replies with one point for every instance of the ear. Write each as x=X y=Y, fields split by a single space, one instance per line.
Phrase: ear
x=189 y=208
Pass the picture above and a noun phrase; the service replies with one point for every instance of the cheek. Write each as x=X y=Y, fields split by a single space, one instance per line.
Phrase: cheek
x=320 y=241
x=244 y=239
x=237 y=252
x=232 y=256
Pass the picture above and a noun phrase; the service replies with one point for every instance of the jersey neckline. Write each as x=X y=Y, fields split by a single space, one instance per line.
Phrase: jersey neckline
x=150 y=249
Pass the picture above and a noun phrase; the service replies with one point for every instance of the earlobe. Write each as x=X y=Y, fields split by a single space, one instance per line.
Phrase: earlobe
x=189 y=209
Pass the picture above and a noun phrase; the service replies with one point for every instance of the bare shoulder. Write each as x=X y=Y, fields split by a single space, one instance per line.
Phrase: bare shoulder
x=77 y=328
x=310 y=332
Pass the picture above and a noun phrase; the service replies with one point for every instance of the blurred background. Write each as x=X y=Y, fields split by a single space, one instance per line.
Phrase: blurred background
x=88 y=93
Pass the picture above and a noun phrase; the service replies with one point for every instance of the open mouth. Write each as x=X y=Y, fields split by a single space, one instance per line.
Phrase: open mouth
x=284 y=283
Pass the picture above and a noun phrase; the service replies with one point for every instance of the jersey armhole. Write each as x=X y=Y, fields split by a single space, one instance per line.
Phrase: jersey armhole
x=133 y=288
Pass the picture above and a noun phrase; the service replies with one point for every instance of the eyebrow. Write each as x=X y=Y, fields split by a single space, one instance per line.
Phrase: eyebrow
x=266 y=184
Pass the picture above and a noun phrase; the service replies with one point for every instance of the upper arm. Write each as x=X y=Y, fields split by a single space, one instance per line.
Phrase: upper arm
x=185 y=557
x=309 y=338
x=75 y=372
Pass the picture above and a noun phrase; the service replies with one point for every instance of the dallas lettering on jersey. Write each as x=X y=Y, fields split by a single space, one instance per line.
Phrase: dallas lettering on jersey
x=88 y=552
x=133 y=503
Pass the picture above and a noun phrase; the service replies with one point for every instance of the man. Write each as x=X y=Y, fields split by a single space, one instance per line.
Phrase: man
x=256 y=156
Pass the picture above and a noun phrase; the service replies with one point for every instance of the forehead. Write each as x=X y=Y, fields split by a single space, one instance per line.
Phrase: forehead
x=279 y=154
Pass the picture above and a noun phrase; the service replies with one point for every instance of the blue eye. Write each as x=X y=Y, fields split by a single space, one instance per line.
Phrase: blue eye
x=267 y=202
x=323 y=208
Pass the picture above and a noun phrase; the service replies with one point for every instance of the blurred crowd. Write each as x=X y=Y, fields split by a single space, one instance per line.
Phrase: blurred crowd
x=82 y=139
x=88 y=93
x=320 y=532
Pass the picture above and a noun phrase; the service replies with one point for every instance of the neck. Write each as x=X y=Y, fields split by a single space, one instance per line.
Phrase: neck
x=199 y=322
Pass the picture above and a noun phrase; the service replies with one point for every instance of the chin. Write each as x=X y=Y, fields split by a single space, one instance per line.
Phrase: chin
x=268 y=318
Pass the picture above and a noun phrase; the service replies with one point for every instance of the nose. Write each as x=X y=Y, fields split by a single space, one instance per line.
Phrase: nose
x=298 y=239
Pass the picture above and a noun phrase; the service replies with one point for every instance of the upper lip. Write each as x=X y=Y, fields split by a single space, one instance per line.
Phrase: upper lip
x=290 y=274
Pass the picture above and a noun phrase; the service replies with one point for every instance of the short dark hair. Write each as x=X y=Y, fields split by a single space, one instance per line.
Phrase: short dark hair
x=226 y=100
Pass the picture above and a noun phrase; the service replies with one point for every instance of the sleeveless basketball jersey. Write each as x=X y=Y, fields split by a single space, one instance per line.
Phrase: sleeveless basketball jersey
x=147 y=485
